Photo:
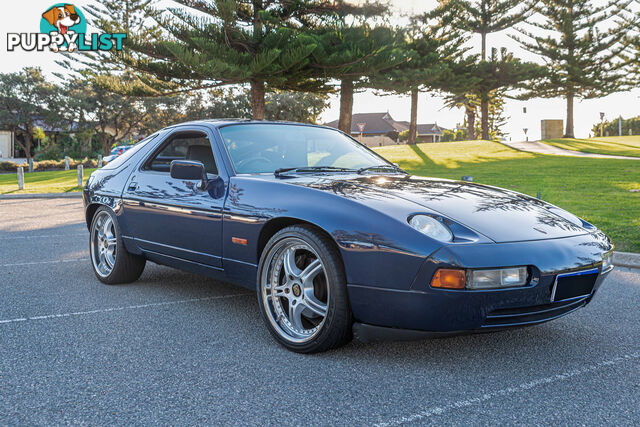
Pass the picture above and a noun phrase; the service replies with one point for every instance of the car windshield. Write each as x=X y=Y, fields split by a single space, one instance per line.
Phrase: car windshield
x=266 y=148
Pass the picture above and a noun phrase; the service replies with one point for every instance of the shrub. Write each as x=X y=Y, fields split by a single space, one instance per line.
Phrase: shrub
x=632 y=124
x=9 y=166
x=49 y=152
x=48 y=165
x=45 y=165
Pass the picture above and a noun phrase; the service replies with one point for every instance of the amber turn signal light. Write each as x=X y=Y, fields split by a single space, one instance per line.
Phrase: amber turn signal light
x=448 y=278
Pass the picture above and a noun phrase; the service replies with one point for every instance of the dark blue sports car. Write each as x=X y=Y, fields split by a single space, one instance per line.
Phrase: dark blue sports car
x=335 y=239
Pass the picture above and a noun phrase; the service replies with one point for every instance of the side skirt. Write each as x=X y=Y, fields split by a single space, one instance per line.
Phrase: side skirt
x=203 y=269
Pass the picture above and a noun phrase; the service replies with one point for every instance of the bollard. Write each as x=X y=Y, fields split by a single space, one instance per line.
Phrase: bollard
x=99 y=161
x=20 y=178
x=30 y=165
x=80 y=172
x=66 y=163
x=467 y=178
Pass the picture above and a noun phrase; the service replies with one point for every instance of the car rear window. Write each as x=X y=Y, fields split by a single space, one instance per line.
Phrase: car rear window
x=115 y=163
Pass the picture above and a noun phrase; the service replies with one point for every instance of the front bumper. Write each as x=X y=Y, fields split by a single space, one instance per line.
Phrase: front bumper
x=423 y=308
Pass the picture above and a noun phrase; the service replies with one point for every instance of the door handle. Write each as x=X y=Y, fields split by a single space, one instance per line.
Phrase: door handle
x=132 y=186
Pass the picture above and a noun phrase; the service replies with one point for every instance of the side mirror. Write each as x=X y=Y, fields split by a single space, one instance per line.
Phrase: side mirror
x=187 y=169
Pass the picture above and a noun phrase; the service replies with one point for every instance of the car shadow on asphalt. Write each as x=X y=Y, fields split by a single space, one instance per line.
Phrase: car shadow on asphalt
x=553 y=340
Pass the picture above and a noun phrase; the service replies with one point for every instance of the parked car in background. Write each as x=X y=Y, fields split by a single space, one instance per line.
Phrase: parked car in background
x=116 y=151
x=334 y=238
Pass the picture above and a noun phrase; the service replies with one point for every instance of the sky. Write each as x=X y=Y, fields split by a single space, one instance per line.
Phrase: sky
x=24 y=16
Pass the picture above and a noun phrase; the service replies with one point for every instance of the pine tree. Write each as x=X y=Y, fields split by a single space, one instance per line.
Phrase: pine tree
x=582 y=61
x=484 y=17
x=205 y=44
x=432 y=48
x=632 y=40
x=351 y=50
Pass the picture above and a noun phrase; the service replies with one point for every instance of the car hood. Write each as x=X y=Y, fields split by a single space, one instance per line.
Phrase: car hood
x=499 y=214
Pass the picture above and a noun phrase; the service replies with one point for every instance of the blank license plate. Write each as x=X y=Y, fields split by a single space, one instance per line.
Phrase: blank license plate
x=574 y=285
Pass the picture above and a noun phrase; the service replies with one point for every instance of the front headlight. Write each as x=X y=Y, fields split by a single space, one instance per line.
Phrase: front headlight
x=431 y=227
x=499 y=278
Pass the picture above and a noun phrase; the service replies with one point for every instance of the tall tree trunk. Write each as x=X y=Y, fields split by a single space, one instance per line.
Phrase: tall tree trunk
x=484 y=109
x=346 y=106
x=28 y=142
x=484 y=100
x=106 y=144
x=569 y=131
x=471 y=123
x=413 y=124
x=257 y=99
x=25 y=146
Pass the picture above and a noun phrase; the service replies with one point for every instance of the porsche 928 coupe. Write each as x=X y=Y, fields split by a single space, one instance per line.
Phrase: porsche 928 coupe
x=336 y=240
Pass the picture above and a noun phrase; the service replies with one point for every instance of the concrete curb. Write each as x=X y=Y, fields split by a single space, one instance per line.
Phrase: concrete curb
x=73 y=195
x=626 y=259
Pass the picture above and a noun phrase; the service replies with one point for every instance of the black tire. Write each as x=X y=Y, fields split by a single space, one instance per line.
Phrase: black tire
x=127 y=267
x=335 y=330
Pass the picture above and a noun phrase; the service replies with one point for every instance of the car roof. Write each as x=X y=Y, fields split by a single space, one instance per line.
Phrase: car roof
x=218 y=123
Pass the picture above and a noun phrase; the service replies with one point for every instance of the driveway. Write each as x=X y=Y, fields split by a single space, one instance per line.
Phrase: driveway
x=180 y=349
x=541 y=148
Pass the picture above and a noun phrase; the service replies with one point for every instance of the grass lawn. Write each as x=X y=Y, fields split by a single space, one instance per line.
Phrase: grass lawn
x=594 y=189
x=43 y=182
x=615 y=145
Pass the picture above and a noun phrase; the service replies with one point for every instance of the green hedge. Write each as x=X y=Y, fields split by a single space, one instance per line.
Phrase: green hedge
x=611 y=126
x=48 y=165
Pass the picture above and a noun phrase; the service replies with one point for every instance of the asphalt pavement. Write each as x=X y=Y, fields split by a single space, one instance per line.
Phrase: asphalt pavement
x=176 y=348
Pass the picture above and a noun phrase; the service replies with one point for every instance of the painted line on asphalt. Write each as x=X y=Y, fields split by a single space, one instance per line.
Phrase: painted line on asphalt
x=43 y=236
x=18 y=264
x=439 y=410
x=128 y=307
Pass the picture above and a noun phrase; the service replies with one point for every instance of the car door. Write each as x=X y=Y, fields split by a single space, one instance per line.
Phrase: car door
x=175 y=217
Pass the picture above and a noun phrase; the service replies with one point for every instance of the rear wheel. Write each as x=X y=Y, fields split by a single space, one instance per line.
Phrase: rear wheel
x=302 y=291
x=110 y=260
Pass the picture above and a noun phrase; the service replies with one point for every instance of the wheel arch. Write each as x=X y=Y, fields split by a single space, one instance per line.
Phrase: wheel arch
x=90 y=212
x=274 y=225
x=92 y=208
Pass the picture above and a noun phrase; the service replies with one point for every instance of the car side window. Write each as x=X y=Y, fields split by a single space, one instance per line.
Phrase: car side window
x=189 y=145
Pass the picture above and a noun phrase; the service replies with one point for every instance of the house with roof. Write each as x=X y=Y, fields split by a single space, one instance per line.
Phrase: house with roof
x=9 y=146
x=382 y=129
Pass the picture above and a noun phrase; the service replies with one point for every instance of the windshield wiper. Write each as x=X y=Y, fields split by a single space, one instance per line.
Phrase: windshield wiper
x=387 y=167
x=281 y=171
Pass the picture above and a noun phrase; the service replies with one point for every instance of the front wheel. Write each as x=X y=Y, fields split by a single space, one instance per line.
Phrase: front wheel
x=302 y=291
x=110 y=260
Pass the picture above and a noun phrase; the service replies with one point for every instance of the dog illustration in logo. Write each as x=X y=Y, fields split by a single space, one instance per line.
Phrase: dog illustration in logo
x=62 y=17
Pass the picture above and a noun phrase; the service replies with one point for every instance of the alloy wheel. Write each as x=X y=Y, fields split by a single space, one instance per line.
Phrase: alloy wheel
x=294 y=290
x=103 y=244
